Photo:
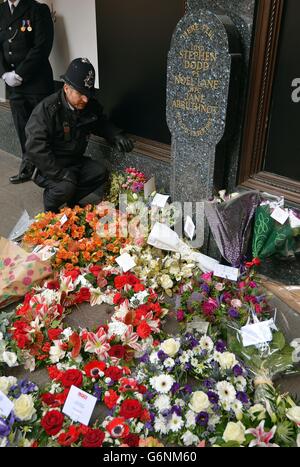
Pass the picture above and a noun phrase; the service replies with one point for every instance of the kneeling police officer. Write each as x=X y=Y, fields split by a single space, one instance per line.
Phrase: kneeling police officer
x=57 y=136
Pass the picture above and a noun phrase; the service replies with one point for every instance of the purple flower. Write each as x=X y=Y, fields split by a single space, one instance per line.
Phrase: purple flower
x=149 y=426
x=202 y=418
x=144 y=358
x=220 y=346
x=175 y=388
x=237 y=370
x=187 y=366
x=162 y=355
x=208 y=383
x=213 y=397
x=97 y=392
x=242 y=396
x=176 y=409
x=233 y=313
x=152 y=416
x=188 y=388
x=192 y=341
x=5 y=428
x=148 y=395
x=205 y=288
x=216 y=408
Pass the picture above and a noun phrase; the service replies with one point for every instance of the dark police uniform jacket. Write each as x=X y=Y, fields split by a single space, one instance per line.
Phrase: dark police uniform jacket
x=26 y=52
x=57 y=136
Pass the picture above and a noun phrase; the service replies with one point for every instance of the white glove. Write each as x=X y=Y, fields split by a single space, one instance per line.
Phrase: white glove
x=12 y=79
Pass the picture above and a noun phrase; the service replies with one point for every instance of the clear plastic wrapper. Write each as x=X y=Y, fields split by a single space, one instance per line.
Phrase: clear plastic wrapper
x=266 y=361
x=21 y=226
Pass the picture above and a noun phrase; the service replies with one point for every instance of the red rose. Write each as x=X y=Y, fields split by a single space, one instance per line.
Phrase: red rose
x=143 y=330
x=120 y=281
x=118 y=299
x=110 y=398
x=93 y=369
x=50 y=399
x=132 y=279
x=54 y=334
x=22 y=340
x=83 y=295
x=93 y=439
x=52 y=422
x=117 y=351
x=114 y=373
x=132 y=440
x=131 y=408
x=95 y=270
x=71 y=377
x=138 y=288
x=62 y=396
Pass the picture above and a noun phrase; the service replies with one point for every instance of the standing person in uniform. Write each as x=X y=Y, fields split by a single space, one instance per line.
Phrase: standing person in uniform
x=26 y=38
x=57 y=137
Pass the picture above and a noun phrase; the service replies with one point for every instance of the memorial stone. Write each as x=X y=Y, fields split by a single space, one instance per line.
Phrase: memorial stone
x=199 y=65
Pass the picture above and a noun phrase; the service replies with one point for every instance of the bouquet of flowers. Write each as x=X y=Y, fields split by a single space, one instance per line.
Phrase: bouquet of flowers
x=81 y=235
x=185 y=414
x=15 y=428
x=274 y=422
x=221 y=302
x=159 y=269
x=130 y=182
x=265 y=361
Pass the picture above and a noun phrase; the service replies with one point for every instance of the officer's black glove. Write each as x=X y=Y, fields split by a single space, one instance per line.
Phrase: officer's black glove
x=123 y=143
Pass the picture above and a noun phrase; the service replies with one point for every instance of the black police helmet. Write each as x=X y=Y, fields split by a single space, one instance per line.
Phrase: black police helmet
x=81 y=76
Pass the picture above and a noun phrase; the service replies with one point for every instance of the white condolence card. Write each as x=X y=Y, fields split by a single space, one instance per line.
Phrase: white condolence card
x=149 y=187
x=226 y=272
x=6 y=405
x=280 y=215
x=160 y=200
x=257 y=333
x=126 y=262
x=79 y=405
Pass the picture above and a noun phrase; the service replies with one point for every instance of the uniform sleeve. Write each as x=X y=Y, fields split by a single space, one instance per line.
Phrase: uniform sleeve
x=39 y=131
x=43 y=31
x=2 y=65
x=104 y=127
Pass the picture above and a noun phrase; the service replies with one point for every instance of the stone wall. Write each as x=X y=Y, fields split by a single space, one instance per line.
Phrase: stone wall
x=116 y=161
x=241 y=12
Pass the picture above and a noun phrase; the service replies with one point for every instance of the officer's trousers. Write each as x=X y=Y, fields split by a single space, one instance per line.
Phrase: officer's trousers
x=22 y=106
x=90 y=176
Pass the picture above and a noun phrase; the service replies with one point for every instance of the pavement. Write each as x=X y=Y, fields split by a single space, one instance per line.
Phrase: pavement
x=14 y=199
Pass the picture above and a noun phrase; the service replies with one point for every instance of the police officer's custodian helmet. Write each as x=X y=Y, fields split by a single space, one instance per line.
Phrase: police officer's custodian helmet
x=81 y=76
